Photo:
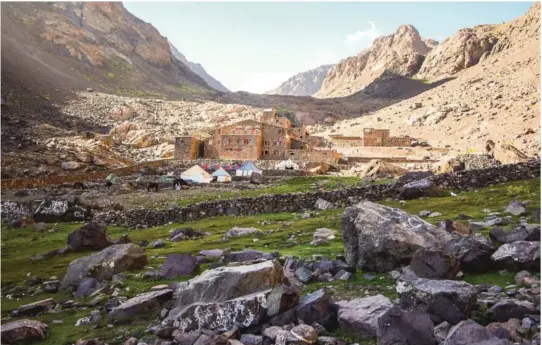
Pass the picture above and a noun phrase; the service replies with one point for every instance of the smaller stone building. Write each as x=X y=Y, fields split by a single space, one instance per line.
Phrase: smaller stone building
x=372 y=137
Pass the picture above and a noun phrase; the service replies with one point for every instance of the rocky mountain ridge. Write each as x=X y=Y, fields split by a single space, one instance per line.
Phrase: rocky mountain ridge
x=496 y=99
x=198 y=69
x=303 y=84
x=401 y=53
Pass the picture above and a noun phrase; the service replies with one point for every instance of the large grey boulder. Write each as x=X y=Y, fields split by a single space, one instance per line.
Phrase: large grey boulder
x=518 y=256
x=178 y=265
x=473 y=251
x=225 y=283
x=444 y=300
x=380 y=238
x=469 y=332
x=515 y=208
x=141 y=305
x=22 y=331
x=36 y=307
x=241 y=312
x=322 y=204
x=104 y=264
x=359 y=317
x=92 y=235
x=397 y=326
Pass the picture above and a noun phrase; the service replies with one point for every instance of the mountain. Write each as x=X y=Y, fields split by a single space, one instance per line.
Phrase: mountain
x=401 y=53
x=302 y=84
x=492 y=93
x=77 y=45
x=198 y=69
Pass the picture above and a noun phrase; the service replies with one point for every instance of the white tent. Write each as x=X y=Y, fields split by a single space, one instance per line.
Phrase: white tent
x=289 y=164
x=222 y=175
x=197 y=174
x=247 y=169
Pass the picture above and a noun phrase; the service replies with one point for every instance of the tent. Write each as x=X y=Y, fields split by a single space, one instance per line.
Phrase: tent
x=289 y=164
x=197 y=174
x=247 y=169
x=222 y=175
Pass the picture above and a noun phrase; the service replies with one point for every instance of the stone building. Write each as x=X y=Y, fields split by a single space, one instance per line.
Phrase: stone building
x=272 y=138
x=372 y=137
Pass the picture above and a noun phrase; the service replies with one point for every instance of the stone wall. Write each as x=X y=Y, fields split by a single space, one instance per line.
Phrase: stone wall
x=296 y=202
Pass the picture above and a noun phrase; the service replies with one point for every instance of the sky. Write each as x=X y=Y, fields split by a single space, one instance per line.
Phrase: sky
x=254 y=46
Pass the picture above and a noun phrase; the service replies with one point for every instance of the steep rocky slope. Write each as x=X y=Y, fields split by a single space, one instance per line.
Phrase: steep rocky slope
x=401 y=53
x=76 y=45
x=198 y=69
x=497 y=99
x=303 y=84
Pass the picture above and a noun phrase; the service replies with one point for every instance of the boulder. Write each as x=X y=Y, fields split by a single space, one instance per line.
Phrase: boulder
x=36 y=307
x=303 y=274
x=359 y=317
x=515 y=208
x=458 y=227
x=251 y=339
x=397 y=326
x=441 y=331
x=23 y=331
x=469 y=332
x=434 y=264
x=316 y=307
x=71 y=165
x=53 y=211
x=242 y=312
x=92 y=235
x=87 y=287
x=518 y=256
x=212 y=253
x=322 y=204
x=185 y=338
x=473 y=252
x=238 y=232
x=245 y=255
x=418 y=189
x=323 y=233
x=528 y=232
x=510 y=308
x=526 y=278
x=186 y=234
x=444 y=300
x=141 y=305
x=226 y=283
x=178 y=265
x=104 y=264
x=305 y=333
x=380 y=238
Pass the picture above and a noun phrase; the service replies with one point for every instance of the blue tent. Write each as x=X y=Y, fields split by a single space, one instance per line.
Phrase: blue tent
x=247 y=169
x=222 y=175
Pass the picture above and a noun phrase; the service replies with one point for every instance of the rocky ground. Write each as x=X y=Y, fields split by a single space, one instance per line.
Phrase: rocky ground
x=472 y=274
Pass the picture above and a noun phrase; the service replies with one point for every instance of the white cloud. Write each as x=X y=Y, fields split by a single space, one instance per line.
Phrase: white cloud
x=262 y=82
x=368 y=35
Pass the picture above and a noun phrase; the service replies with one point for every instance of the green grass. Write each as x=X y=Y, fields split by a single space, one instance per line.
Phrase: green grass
x=18 y=245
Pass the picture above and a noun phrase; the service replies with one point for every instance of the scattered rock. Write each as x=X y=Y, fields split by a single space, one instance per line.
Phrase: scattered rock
x=141 y=305
x=238 y=232
x=322 y=204
x=518 y=256
x=434 y=264
x=105 y=264
x=510 y=308
x=87 y=287
x=22 y=330
x=469 y=332
x=92 y=235
x=515 y=208
x=397 y=326
x=36 y=308
x=303 y=274
x=359 y=317
x=178 y=265
x=474 y=252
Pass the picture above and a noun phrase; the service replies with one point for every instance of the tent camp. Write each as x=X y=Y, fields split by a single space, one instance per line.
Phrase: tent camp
x=222 y=175
x=289 y=164
x=197 y=174
x=247 y=169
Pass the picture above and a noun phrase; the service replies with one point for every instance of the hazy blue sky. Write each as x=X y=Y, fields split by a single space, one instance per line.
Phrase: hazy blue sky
x=255 y=46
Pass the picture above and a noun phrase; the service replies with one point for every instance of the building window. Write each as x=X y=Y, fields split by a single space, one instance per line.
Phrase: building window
x=246 y=141
x=266 y=152
x=280 y=131
x=291 y=153
x=251 y=141
x=266 y=143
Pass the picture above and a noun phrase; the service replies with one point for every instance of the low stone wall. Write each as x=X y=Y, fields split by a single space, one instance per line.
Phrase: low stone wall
x=296 y=202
